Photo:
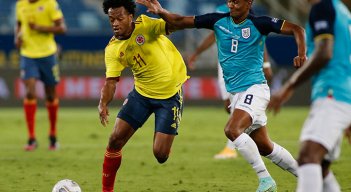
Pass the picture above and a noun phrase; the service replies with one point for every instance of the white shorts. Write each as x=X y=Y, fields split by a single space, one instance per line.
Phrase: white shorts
x=325 y=125
x=254 y=101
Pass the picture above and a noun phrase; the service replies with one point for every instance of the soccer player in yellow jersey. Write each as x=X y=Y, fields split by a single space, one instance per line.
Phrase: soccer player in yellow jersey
x=159 y=72
x=36 y=23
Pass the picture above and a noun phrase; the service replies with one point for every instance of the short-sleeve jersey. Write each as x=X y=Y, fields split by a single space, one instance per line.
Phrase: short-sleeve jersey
x=41 y=12
x=325 y=22
x=240 y=46
x=158 y=67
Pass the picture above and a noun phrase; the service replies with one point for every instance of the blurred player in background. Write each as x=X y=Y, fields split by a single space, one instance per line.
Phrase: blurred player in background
x=159 y=73
x=329 y=65
x=229 y=150
x=240 y=39
x=36 y=23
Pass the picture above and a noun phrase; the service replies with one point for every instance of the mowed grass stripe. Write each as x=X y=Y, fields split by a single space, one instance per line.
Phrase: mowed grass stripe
x=191 y=167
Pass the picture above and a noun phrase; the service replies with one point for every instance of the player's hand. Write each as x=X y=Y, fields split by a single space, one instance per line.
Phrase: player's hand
x=279 y=98
x=191 y=61
x=227 y=105
x=153 y=6
x=103 y=113
x=36 y=27
x=348 y=134
x=33 y=26
x=299 y=61
x=18 y=40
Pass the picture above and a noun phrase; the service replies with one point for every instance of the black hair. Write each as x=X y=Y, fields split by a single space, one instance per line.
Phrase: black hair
x=129 y=5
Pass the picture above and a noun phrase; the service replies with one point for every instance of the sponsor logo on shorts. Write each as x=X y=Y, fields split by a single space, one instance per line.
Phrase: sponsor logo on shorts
x=125 y=102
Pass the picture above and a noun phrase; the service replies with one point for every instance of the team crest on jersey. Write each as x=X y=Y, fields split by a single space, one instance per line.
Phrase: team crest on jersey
x=140 y=39
x=245 y=33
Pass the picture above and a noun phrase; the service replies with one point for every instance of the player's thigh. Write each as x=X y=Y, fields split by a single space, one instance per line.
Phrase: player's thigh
x=136 y=109
x=237 y=123
x=120 y=135
x=168 y=113
x=311 y=152
x=326 y=123
x=49 y=70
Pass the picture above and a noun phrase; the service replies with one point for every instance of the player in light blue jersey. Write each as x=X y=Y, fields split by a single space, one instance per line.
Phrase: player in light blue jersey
x=228 y=152
x=240 y=38
x=329 y=65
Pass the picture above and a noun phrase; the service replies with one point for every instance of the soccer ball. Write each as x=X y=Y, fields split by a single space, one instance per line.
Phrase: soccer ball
x=66 y=185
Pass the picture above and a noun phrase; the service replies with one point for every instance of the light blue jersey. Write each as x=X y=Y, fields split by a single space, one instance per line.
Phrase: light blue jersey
x=334 y=80
x=240 y=47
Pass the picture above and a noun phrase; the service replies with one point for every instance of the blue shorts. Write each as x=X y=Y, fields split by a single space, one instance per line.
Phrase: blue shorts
x=46 y=69
x=137 y=109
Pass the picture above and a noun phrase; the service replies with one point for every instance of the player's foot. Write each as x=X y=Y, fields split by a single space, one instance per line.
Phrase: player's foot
x=267 y=184
x=54 y=145
x=226 y=153
x=31 y=145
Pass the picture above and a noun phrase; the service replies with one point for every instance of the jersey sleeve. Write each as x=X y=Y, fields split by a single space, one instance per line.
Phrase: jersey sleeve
x=18 y=12
x=265 y=24
x=207 y=21
x=113 y=67
x=322 y=17
x=55 y=10
x=156 y=26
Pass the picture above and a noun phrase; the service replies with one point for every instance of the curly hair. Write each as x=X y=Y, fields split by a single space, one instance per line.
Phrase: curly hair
x=129 y=5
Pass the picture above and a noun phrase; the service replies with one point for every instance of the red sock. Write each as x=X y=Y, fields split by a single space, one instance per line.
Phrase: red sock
x=112 y=161
x=30 y=107
x=52 y=108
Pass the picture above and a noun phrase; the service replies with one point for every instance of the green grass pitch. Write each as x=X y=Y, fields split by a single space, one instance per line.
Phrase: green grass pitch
x=190 y=168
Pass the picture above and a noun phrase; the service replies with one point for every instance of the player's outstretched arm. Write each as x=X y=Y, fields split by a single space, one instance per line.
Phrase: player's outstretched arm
x=206 y=43
x=319 y=59
x=299 y=34
x=59 y=27
x=175 y=21
x=107 y=93
x=18 y=35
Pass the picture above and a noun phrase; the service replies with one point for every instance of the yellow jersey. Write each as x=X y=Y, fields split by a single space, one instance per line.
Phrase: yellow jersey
x=44 y=13
x=158 y=67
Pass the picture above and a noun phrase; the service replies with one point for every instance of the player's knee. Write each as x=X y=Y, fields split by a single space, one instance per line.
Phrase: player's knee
x=306 y=158
x=50 y=98
x=115 y=142
x=30 y=95
x=162 y=158
x=232 y=133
